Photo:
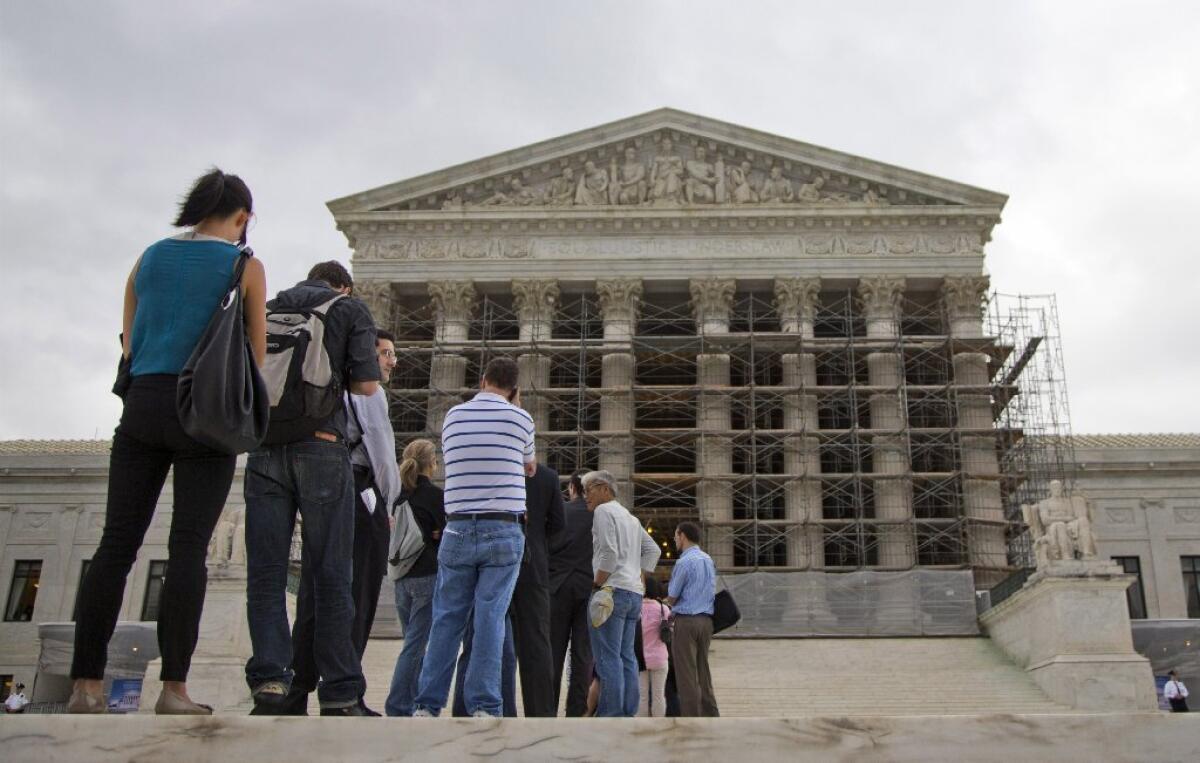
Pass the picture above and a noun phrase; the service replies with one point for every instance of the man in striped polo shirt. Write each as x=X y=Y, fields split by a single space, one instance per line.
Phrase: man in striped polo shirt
x=487 y=445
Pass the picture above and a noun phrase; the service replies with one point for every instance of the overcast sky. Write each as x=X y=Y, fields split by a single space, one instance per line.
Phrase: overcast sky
x=1086 y=114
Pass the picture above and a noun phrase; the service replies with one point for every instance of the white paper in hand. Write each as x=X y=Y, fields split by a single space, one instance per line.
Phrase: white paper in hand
x=368 y=499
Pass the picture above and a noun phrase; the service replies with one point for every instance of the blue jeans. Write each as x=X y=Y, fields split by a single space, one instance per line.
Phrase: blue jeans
x=478 y=560
x=414 y=605
x=314 y=478
x=508 y=674
x=616 y=663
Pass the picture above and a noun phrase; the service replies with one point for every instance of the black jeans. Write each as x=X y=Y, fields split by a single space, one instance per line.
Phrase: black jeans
x=371 y=532
x=148 y=442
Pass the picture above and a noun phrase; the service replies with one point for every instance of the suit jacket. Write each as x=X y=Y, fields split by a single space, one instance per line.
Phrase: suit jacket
x=543 y=520
x=571 y=551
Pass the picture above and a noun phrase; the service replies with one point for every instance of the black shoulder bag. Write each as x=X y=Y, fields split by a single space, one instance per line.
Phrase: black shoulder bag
x=221 y=398
x=725 y=611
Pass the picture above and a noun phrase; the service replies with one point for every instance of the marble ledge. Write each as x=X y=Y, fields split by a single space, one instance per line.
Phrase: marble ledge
x=1161 y=737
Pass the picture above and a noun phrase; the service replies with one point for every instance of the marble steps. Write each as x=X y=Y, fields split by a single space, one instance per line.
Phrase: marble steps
x=816 y=677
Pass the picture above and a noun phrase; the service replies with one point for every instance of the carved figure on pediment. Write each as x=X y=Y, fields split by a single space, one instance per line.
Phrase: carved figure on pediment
x=810 y=193
x=227 y=545
x=630 y=185
x=1061 y=527
x=592 y=189
x=701 y=184
x=738 y=182
x=453 y=202
x=518 y=195
x=666 y=176
x=872 y=199
x=776 y=187
x=561 y=192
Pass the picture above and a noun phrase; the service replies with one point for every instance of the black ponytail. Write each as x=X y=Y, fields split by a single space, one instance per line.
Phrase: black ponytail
x=214 y=194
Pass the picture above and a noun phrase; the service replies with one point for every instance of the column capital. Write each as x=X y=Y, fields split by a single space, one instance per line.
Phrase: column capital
x=620 y=298
x=377 y=296
x=964 y=295
x=881 y=294
x=712 y=298
x=452 y=298
x=535 y=298
x=796 y=302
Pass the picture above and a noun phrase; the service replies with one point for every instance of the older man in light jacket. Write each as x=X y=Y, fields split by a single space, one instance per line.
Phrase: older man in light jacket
x=622 y=553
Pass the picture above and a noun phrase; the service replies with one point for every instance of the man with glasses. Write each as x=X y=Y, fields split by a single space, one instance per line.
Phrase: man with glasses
x=372 y=444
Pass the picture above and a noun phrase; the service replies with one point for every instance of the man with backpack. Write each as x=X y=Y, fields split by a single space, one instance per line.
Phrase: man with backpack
x=320 y=343
x=372 y=444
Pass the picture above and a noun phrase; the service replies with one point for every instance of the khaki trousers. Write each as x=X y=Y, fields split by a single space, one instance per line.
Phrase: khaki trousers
x=689 y=649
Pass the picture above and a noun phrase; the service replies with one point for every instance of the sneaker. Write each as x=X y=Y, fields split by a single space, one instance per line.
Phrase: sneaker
x=349 y=711
x=483 y=714
x=421 y=712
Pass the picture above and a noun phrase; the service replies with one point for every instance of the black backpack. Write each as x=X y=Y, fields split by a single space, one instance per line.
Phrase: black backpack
x=301 y=383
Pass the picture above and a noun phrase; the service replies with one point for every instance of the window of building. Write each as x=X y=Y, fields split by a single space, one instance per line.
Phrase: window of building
x=83 y=568
x=6 y=686
x=1191 y=584
x=27 y=575
x=1136 y=593
x=154 y=586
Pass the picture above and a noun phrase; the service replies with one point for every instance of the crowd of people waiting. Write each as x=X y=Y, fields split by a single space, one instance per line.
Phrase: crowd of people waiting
x=505 y=575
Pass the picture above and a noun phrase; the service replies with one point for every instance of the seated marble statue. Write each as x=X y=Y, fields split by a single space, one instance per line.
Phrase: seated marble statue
x=630 y=184
x=873 y=199
x=699 y=188
x=561 y=192
x=592 y=189
x=776 y=187
x=1061 y=527
x=810 y=193
x=666 y=176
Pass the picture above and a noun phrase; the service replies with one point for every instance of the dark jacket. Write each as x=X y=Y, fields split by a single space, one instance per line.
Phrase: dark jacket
x=543 y=520
x=571 y=552
x=430 y=512
x=349 y=340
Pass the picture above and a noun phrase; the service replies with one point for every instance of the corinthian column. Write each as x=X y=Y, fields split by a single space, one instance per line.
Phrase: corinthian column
x=889 y=447
x=620 y=300
x=712 y=303
x=963 y=297
x=796 y=305
x=452 y=304
x=535 y=300
x=377 y=296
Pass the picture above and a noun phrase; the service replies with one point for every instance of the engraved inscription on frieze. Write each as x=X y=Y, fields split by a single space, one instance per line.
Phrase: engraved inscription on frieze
x=618 y=247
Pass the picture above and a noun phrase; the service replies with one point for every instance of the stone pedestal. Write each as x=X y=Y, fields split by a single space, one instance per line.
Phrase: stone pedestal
x=1069 y=629
x=218 y=672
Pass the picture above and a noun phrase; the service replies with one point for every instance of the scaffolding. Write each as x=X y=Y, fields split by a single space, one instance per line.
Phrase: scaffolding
x=864 y=441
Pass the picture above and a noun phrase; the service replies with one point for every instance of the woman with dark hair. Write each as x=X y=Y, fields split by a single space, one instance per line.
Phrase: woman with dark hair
x=170 y=296
x=652 y=680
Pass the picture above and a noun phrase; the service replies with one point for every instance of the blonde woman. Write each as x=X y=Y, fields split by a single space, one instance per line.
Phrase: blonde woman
x=414 y=591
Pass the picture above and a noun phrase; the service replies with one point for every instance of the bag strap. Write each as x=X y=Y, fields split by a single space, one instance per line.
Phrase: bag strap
x=362 y=432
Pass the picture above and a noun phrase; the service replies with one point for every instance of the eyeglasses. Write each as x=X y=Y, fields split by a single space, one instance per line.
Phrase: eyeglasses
x=390 y=354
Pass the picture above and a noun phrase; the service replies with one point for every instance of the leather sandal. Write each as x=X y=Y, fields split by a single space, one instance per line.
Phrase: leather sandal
x=86 y=703
x=170 y=703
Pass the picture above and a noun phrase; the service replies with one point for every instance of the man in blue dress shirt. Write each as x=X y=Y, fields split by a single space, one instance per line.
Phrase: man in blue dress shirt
x=690 y=594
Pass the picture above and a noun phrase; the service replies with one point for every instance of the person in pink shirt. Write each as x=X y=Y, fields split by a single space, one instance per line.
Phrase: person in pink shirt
x=652 y=681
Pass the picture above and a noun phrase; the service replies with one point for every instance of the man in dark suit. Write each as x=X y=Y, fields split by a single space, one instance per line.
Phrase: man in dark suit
x=530 y=608
x=570 y=588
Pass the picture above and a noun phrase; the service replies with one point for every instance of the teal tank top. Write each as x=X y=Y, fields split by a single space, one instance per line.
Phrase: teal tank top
x=179 y=283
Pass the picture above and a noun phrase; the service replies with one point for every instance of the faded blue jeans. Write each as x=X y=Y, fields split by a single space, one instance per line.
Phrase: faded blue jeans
x=311 y=477
x=616 y=663
x=414 y=605
x=478 y=561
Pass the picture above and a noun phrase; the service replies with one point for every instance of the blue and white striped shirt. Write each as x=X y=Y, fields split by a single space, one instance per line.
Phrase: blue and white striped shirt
x=486 y=443
x=693 y=583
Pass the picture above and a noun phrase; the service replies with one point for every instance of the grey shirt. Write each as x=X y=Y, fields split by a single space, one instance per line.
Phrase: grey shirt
x=621 y=547
x=376 y=445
